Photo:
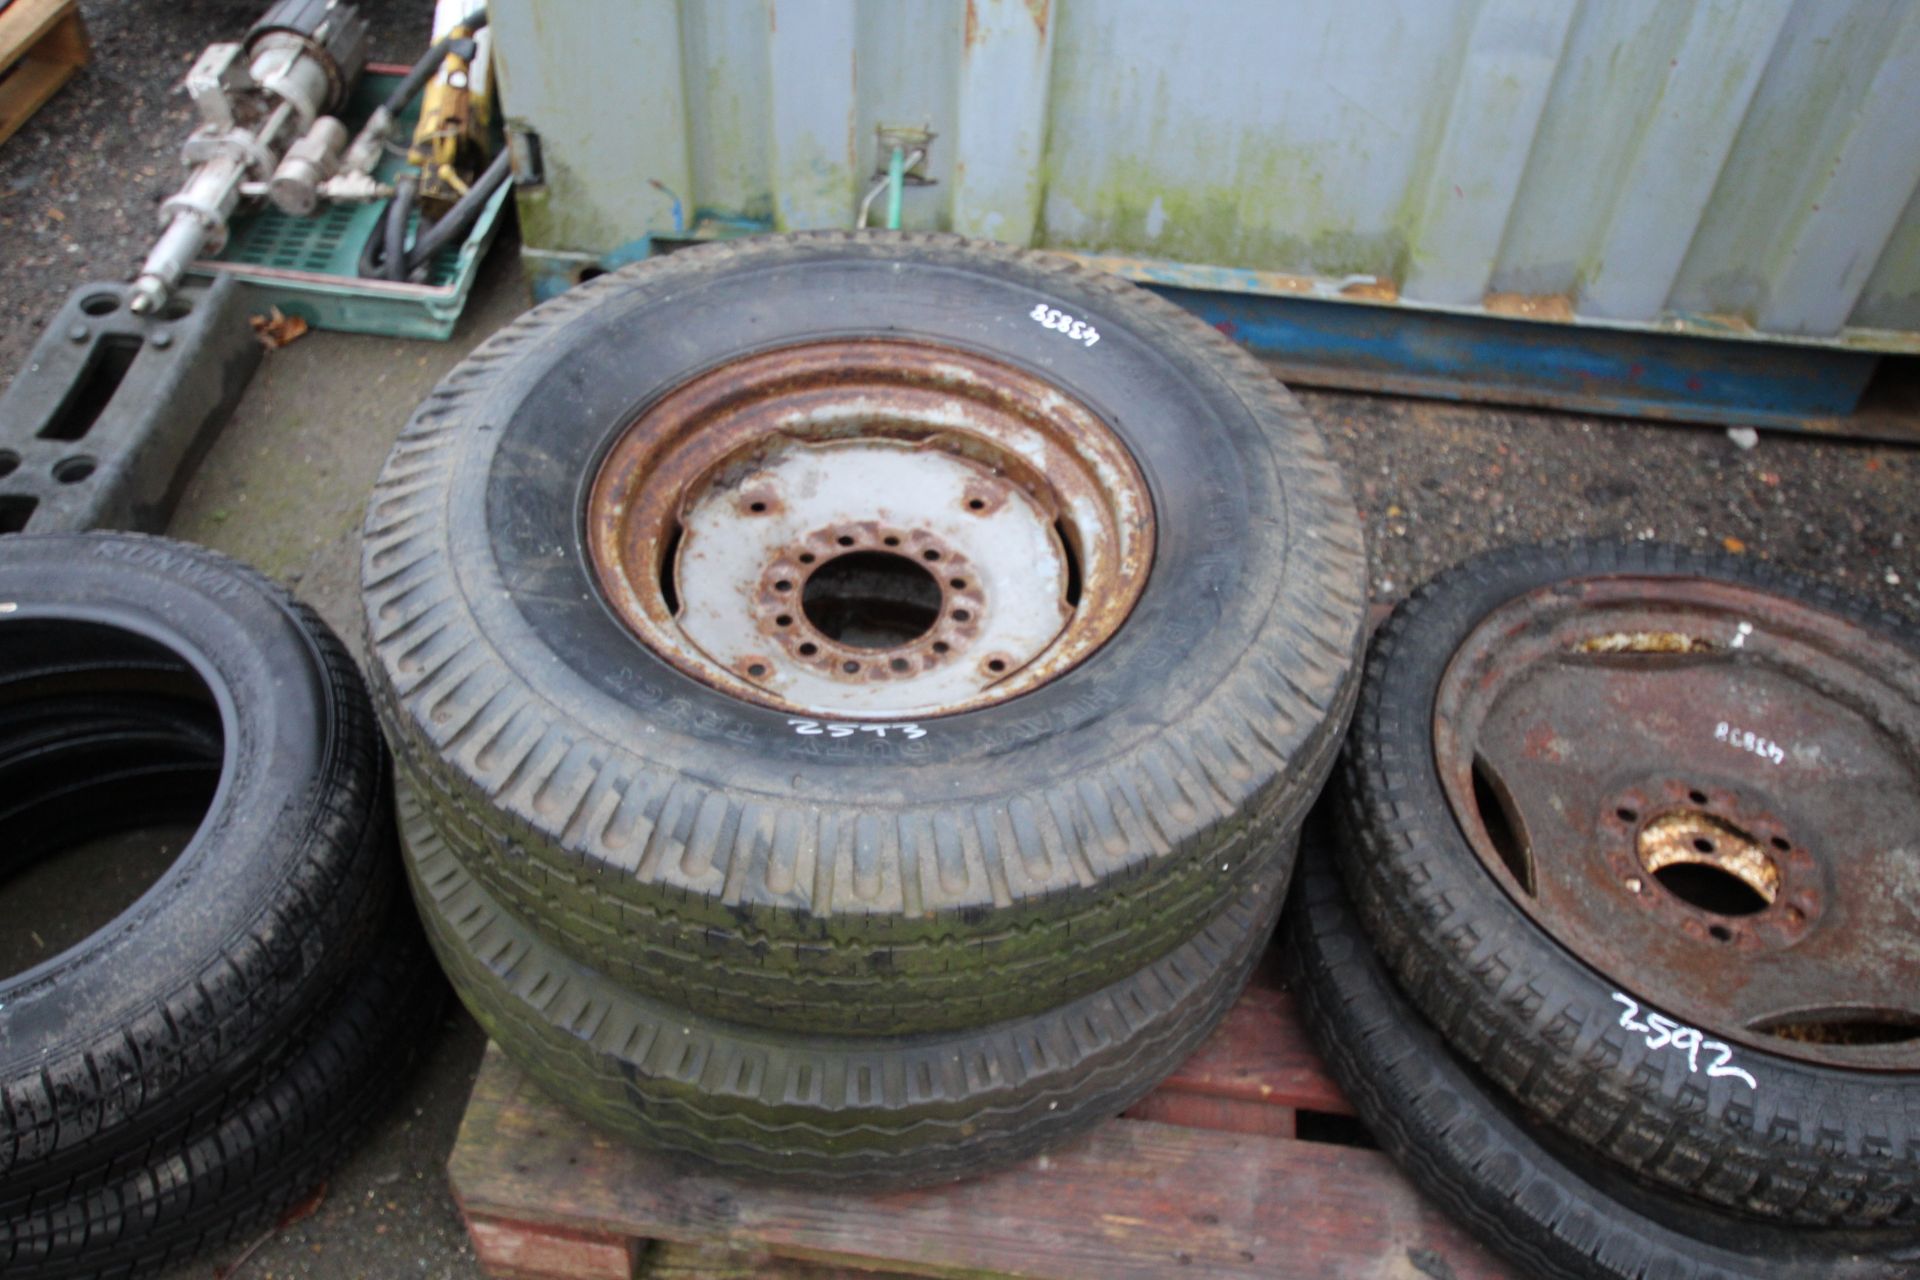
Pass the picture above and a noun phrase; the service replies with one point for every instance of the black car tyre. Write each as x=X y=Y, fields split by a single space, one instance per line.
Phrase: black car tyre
x=790 y=870
x=1535 y=728
x=143 y=681
x=1555 y=1211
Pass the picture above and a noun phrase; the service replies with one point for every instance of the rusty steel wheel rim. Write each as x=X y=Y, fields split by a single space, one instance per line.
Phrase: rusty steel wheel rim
x=870 y=530
x=1711 y=795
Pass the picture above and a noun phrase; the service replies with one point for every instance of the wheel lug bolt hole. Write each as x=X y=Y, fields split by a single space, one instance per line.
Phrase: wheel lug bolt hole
x=1626 y=815
x=806 y=557
x=899 y=664
x=1698 y=797
x=757 y=508
x=808 y=649
x=961 y=615
x=958 y=584
x=941 y=646
x=1703 y=845
x=930 y=554
x=850 y=668
x=976 y=504
x=784 y=620
x=996 y=665
x=844 y=540
x=890 y=541
x=757 y=670
x=1720 y=932
x=1781 y=843
x=783 y=585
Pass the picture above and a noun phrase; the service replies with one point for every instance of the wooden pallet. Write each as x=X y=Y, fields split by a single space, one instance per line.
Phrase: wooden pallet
x=42 y=43
x=1220 y=1173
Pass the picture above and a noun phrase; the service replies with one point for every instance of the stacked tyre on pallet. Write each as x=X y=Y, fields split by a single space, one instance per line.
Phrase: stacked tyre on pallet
x=800 y=768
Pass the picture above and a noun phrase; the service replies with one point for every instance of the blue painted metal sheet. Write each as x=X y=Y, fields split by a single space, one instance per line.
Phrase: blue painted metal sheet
x=1606 y=371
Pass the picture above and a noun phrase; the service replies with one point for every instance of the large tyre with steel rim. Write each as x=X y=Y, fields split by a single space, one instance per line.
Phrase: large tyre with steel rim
x=1635 y=830
x=840 y=631
x=848 y=1112
x=159 y=1075
x=1554 y=1210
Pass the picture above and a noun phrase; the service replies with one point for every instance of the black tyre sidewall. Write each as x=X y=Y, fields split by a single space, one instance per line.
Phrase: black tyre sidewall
x=1470 y=957
x=1553 y=1215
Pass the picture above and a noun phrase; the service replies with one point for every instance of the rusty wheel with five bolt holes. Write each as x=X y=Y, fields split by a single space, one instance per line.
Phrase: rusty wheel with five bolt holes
x=1637 y=830
x=865 y=637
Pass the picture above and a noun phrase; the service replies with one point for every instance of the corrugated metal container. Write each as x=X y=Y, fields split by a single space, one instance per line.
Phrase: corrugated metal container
x=1741 y=168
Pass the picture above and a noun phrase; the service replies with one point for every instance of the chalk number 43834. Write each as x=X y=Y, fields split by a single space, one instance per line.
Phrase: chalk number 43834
x=1059 y=321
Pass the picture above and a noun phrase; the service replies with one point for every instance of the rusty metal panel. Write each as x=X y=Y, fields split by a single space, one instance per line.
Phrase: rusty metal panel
x=1733 y=168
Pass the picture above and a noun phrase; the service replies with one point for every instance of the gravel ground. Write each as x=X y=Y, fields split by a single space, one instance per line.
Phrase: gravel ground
x=1440 y=481
x=1437 y=482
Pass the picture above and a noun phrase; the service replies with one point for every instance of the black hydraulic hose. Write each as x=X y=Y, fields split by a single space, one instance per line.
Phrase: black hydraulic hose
x=393 y=262
x=379 y=256
x=457 y=219
x=383 y=256
x=429 y=63
x=372 y=251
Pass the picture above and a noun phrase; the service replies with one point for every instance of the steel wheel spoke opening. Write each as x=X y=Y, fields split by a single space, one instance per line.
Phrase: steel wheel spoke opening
x=1666 y=774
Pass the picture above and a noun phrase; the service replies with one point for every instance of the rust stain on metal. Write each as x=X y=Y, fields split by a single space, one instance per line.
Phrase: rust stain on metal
x=1644 y=642
x=713 y=433
x=1532 y=306
x=1377 y=290
x=1665 y=848
x=1692 y=838
x=971 y=35
x=1037 y=10
x=984 y=499
x=782 y=615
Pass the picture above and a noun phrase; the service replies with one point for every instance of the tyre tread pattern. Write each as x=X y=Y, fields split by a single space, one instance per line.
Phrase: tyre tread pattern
x=845 y=1112
x=1489 y=1172
x=1812 y=1145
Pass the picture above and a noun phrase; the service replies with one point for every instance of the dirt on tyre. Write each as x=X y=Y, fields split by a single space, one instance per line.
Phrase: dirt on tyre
x=1633 y=828
x=1554 y=1210
x=863 y=632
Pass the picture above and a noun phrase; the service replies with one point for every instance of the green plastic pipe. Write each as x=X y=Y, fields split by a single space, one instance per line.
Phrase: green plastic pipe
x=896 y=182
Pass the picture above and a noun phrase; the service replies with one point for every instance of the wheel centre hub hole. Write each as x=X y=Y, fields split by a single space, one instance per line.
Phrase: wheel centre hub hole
x=872 y=600
x=1709 y=863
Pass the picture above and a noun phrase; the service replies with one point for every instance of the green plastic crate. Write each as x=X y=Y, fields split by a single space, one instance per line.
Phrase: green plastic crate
x=310 y=267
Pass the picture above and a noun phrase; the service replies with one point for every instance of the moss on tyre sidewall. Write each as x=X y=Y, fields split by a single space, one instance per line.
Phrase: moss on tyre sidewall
x=849 y=1112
